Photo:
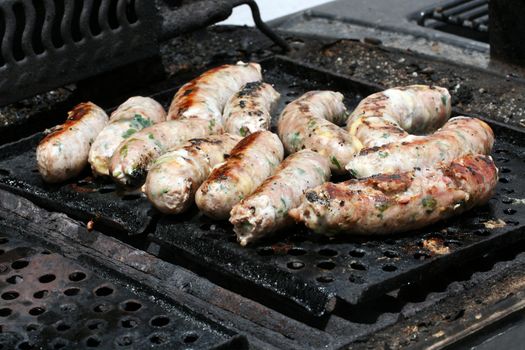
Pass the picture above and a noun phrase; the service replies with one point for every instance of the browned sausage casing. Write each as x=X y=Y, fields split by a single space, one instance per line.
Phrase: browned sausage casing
x=385 y=204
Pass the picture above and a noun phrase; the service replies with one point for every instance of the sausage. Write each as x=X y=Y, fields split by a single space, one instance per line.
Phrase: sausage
x=385 y=204
x=266 y=210
x=175 y=176
x=63 y=153
x=205 y=96
x=308 y=122
x=133 y=115
x=458 y=137
x=390 y=115
x=249 y=110
x=250 y=162
x=131 y=160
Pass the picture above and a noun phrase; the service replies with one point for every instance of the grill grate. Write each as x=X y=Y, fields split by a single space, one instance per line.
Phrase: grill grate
x=49 y=301
x=468 y=18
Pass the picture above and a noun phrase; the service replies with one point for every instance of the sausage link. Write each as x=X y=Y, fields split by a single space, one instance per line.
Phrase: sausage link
x=63 y=153
x=249 y=110
x=205 y=96
x=390 y=115
x=266 y=210
x=458 y=137
x=251 y=161
x=175 y=176
x=133 y=115
x=131 y=160
x=386 y=204
x=308 y=123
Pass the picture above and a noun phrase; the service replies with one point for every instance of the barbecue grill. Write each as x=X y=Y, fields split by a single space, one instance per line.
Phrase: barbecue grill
x=141 y=279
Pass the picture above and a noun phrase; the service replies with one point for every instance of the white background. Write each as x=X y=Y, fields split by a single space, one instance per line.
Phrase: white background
x=270 y=9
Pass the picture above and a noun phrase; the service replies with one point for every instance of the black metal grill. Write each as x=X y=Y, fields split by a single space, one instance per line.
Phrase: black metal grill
x=49 y=301
x=464 y=17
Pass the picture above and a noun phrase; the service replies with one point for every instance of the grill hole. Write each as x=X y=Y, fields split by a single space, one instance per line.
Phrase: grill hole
x=10 y=295
x=297 y=251
x=71 y=291
x=357 y=266
x=131 y=11
x=190 y=338
x=95 y=324
x=4 y=312
x=47 y=278
x=39 y=310
x=59 y=343
x=15 y=279
x=157 y=339
x=507 y=200
x=160 y=321
x=2 y=33
x=19 y=264
x=25 y=346
x=45 y=252
x=504 y=180
x=327 y=252
x=326 y=265
x=390 y=254
x=112 y=15
x=56 y=35
x=357 y=253
x=125 y=340
x=41 y=294
x=3 y=240
x=106 y=189
x=389 y=268
x=509 y=211
x=94 y=25
x=295 y=265
x=131 y=197
x=62 y=327
x=40 y=14
x=77 y=276
x=20 y=20
x=325 y=279
x=76 y=34
x=265 y=251
x=102 y=308
x=504 y=170
x=93 y=342
x=356 y=279
x=131 y=306
x=129 y=323
x=66 y=308
x=103 y=291
x=2 y=251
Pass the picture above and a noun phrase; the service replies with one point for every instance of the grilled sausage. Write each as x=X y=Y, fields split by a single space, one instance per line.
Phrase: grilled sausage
x=385 y=204
x=460 y=136
x=205 y=96
x=63 y=153
x=390 y=115
x=133 y=115
x=249 y=110
x=251 y=161
x=308 y=122
x=131 y=160
x=266 y=210
x=175 y=176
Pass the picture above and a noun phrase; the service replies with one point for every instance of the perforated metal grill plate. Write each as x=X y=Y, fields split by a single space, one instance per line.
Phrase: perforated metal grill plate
x=48 y=301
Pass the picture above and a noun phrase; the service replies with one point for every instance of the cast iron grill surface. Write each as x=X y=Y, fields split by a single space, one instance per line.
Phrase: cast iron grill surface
x=469 y=18
x=88 y=199
x=39 y=40
x=52 y=302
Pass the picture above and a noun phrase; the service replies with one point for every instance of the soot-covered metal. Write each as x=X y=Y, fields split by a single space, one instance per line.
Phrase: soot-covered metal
x=50 y=301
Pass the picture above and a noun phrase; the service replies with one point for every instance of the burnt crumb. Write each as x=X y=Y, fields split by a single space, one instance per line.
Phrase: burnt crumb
x=342 y=203
x=242 y=103
x=312 y=197
x=249 y=89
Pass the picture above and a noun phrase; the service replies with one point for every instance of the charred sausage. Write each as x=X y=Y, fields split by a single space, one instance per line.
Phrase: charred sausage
x=131 y=160
x=133 y=115
x=385 y=204
x=460 y=136
x=249 y=110
x=205 y=96
x=390 y=115
x=266 y=210
x=308 y=123
x=175 y=176
x=63 y=153
x=251 y=161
